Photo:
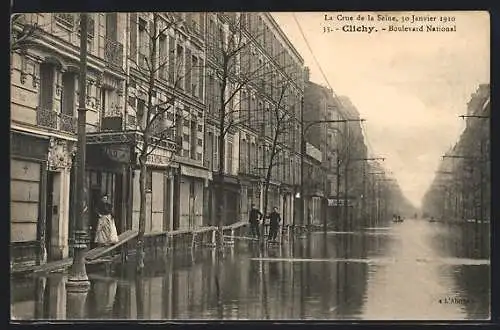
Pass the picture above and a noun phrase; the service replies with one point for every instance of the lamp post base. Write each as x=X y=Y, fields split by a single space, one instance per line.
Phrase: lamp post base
x=77 y=285
x=78 y=280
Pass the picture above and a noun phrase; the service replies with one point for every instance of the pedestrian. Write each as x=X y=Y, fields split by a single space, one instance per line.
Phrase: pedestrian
x=254 y=218
x=106 y=229
x=274 y=224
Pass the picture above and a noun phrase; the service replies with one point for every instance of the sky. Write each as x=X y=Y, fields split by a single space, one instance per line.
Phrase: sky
x=410 y=87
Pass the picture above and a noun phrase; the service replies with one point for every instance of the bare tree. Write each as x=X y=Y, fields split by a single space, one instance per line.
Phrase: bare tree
x=229 y=49
x=155 y=131
x=280 y=123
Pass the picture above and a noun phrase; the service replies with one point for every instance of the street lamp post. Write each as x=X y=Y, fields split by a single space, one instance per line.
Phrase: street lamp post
x=305 y=125
x=78 y=280
x=363 y=205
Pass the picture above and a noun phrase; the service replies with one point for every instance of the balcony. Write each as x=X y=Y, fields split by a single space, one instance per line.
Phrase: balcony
x=54 y=120
x=67 y=19
x=113 y=54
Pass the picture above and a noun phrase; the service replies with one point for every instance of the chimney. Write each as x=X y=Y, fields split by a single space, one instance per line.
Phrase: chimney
x=307 y=74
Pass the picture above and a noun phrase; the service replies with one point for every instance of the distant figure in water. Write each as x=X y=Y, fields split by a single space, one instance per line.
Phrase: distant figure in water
x=274 y=224
x=254 y=218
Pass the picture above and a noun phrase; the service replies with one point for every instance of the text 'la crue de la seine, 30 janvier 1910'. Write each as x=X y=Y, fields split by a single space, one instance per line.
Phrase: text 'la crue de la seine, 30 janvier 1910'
x=373 y=23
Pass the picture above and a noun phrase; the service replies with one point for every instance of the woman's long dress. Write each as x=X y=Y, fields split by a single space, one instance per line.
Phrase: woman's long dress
x=106 y=229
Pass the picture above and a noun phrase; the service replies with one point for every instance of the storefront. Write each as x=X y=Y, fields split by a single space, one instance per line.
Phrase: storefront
x=229 y=207
x=113 y=170
x=250 y=194
x=192 y=187
x=109 y=172
x=28 y=198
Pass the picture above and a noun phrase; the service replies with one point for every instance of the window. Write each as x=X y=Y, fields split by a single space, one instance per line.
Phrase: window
x=216 y=153
x=200 y=78
x=195 y=67
x=133 y=36
x=47 y=75
x=229 y=167
x=141 y=108
x=189 y=71
x=211 y=94
x=68 y=93
x=252 y=159
x=209 y=147
x=171 y=61
x=143 y=42
x=194 y=137
x=111 y=26
x=178 y=131
x=243 y=156
x=179 y=56
x=163 y=60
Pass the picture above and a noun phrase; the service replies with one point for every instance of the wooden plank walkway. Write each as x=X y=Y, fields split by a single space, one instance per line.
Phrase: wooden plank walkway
x=100 y=251
x=91 y=257
x=242 y=237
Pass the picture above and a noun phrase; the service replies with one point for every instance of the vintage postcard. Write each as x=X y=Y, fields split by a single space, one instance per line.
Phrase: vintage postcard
x=250 y=166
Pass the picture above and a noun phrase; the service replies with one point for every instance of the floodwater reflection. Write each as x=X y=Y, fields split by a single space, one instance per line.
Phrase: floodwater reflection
x=380 y=273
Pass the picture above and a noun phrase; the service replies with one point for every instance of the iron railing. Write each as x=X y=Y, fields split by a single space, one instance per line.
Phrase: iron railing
x=113 y=53
x=51 y=119
x=67 y=19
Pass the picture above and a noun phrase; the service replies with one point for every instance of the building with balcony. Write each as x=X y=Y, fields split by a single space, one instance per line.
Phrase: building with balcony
x=320 y=104
x=268 y=61
x=44 y=102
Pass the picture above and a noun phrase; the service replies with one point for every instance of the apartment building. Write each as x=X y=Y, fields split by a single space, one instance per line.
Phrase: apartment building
x=44 y=102
x=268 y=61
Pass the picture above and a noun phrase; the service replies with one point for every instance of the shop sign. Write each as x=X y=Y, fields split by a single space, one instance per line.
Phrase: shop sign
x=196 y=172
x=341 y=202
x=120 y=154
x=159 y=157
x=158 y=160
x=29 y=146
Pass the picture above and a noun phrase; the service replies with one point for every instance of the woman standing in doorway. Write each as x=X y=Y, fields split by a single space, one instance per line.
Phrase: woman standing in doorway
x=106 y=229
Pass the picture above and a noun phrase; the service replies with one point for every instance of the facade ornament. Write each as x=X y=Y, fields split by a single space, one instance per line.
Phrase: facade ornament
x=36 y=81
x=98 y=80
x=22 y=77
x=60 y=154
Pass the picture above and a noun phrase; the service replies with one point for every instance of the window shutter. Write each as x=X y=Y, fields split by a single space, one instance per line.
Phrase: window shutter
x=188 y=70
x=133 y=36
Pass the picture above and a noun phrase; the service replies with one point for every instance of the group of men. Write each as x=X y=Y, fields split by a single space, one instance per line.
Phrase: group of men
x=274 y=222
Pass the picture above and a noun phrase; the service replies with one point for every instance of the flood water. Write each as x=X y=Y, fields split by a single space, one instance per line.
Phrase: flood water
x=412 y=270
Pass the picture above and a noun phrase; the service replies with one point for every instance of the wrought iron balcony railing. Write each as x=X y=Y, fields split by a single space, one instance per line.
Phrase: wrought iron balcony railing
x=113 y=53
x=51 y=119
x=67 y=19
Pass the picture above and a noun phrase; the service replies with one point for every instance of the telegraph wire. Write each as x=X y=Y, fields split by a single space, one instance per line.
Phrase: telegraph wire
x=314 y=56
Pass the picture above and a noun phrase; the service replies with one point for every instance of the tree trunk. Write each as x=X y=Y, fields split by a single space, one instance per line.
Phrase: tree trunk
x=222 y=156
x=142 y=212
x=268 y=178
x=266 y=202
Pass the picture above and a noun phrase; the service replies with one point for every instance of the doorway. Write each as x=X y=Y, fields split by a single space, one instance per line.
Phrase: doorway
x=52 y=216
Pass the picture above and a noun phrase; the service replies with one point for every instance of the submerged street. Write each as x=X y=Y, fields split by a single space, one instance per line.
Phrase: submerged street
x=410 y=270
